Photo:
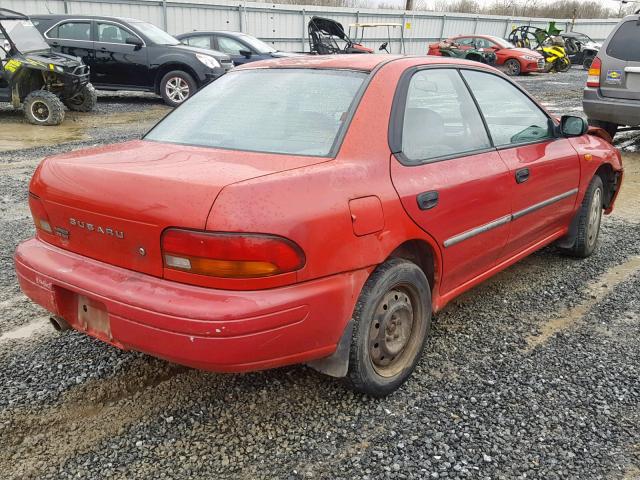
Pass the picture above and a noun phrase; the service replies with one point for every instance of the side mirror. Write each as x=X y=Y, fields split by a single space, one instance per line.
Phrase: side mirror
x=135 y=41
x=246 y=53
x=571 y=126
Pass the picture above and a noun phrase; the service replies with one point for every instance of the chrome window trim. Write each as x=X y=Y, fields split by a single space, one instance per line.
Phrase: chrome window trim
x=449 y=242
x=68 y=20
x=90 y=20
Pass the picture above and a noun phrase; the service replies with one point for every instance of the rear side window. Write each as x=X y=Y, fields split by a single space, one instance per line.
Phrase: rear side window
x=625 y=44
x=289 y=111
x=440 y=118
x=512 y=117
x=72 y=31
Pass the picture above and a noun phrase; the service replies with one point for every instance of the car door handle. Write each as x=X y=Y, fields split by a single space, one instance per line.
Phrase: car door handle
x=427 y=200
x=522 y=175
x=55 y=44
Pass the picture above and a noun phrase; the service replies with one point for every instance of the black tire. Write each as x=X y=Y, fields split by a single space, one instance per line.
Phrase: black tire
x=610 y=128
x=43 y=108
x=589 y=219
x=175 y=82
x=84 y=101
x=395 y=303
x=586 y=63
x=512 y=67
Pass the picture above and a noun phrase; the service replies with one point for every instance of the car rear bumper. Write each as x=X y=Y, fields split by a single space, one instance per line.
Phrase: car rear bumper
x=216 y=330
x=615 y=110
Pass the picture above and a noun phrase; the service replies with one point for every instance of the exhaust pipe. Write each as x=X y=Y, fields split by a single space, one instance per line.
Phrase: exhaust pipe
x=59 y=323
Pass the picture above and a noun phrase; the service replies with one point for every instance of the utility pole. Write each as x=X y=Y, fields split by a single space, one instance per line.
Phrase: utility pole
x=409 y=5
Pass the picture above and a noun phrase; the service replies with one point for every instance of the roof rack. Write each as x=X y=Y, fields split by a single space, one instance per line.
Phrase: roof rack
x=6 y=14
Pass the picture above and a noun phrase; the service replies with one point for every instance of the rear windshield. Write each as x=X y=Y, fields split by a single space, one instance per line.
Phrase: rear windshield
x=625 y=44
x=289 y=111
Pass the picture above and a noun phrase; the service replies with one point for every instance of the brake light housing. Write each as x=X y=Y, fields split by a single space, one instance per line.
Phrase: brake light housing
x=229 y=255
x=39 y=214
x=593 y=80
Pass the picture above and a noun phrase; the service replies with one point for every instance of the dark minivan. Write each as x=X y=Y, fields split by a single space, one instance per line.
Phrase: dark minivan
x=128 y=54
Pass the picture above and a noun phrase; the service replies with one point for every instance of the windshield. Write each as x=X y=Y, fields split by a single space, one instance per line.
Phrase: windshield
x=258 y=45
x=25 y=35
x=288 y=111
x=154 y=34
x=502 y=43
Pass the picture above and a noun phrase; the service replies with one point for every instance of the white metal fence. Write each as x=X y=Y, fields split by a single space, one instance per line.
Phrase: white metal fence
x=285 y=26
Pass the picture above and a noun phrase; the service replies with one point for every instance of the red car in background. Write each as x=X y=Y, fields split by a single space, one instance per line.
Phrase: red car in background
x=516 y=61
x=321 y=225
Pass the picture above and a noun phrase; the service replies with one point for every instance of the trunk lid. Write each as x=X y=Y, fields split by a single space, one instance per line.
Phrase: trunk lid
x=112 y=203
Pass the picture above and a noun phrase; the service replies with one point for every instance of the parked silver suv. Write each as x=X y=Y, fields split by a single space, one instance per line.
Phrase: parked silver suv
x=612 y=95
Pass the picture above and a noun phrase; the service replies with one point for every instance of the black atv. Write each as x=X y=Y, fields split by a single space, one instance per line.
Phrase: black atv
x=39 y=79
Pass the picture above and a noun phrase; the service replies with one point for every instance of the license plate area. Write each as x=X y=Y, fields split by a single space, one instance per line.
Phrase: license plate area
x=94 y=318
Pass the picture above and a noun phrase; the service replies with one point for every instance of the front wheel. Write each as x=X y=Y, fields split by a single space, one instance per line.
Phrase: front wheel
x=176 y=87
x=563 y=64
x=83 y=101
x=43 y=108
x=512 y=67
x=589 y=220
x=391 y=322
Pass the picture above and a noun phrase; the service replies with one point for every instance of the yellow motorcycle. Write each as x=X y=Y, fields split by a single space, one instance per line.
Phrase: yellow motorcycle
x=551 y=47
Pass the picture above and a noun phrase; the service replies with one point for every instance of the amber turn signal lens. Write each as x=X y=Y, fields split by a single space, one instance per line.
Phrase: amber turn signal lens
x=230 y=255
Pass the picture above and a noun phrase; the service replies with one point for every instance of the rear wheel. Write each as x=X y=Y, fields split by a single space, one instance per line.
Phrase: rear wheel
x=43 y=108
x=391 y=322
x=589 y=219
x=83 y=101
x=610 y=128
x=176 y=87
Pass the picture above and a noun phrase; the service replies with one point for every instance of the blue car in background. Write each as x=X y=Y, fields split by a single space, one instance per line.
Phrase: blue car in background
x=242 y=48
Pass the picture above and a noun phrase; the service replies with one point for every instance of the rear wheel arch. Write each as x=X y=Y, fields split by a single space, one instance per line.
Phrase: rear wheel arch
x=424 y=255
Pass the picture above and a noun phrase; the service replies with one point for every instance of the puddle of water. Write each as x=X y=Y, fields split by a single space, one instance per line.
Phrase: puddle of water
x=596 y=291
x=76 y=127
x=27 y=330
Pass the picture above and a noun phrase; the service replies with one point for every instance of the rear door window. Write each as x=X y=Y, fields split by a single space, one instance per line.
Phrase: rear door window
x=625 y=44
x=72 y=31
x=440 y=118
x=200 y=41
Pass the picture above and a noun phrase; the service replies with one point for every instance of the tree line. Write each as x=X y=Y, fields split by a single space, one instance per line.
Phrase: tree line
x=519 y=8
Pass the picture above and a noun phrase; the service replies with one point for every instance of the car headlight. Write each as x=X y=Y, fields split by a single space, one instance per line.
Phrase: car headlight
x=208 y=60
x=531 y=58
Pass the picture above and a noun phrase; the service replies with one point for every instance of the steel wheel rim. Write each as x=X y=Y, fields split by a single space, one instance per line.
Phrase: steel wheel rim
x=40 y=111
x=513 y=67
x=392 y=340
x=595 y=216
x=177 y=89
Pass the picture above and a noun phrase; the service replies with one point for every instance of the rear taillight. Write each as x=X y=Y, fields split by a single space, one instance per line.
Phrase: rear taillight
x=230 y=255
x=594 y=73
x=39 y=214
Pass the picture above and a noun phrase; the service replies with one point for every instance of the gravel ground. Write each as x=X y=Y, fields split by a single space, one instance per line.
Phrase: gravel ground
x=534 y=374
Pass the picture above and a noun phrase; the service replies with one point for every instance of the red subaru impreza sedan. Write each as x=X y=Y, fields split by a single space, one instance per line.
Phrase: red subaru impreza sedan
x=311 y=210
